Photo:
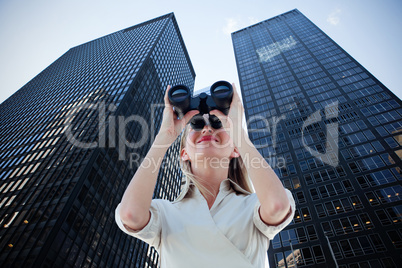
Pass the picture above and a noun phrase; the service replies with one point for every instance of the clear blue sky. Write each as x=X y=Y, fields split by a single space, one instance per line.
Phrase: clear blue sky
x=35 y=33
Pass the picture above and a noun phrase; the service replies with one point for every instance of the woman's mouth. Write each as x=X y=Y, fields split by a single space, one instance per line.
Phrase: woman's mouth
x=208 y=138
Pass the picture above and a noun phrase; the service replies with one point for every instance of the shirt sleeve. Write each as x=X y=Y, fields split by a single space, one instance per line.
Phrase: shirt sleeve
x=151 y=233
x=271 y=230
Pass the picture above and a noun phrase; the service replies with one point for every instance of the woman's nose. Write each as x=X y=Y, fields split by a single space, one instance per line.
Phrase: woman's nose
x=207 y=129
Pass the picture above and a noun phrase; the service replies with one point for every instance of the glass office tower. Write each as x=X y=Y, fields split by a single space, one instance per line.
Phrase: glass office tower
x=71 y=140
x=332 y=133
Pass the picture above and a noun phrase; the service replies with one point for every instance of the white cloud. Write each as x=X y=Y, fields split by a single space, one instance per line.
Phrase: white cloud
x=334 y=18
x=230 y=27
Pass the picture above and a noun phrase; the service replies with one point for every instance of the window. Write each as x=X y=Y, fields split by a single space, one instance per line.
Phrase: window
x=380 y=177
x=387 y=262
x=318 y=254
x=371 y=197
x=314 y=194
x=293 y=236
x=357 y=204
x=297 y=218
x=323 y=191
x=337 y=250
x=392 y=142
x=362 y=181
x=356 y=247
x=300 y=197
x=320 y=210
x=311 y=232
x=303 y=166
x=377 y=146
x=279 y=260
x=296 y=183
x=367 y=222
x=370 y=163
x=327 y=228
x=305 y=257
x=276 y=242
x=306 y=214
x=395 y=213
x=353 y=167
x=308 y=179
x=395 y=238
x=382 y=131
x=346 y=154
x=390 y=194
x=348 y=186
x=383 y=217
x=377 y=242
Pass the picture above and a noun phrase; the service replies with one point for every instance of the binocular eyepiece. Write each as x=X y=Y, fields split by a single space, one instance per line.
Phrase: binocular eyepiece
x=221 y=94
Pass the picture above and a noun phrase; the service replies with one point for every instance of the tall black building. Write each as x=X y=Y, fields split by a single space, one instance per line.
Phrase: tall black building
x=72 y=138
x=332 y=133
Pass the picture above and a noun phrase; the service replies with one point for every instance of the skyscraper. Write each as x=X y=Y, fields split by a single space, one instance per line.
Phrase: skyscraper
x=72 y=138
x=332 y=133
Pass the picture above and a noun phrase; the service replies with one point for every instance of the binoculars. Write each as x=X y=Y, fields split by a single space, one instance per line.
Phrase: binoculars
x=221 y=94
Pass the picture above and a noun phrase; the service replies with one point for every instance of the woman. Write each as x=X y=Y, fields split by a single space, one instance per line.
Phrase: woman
x=216 y=221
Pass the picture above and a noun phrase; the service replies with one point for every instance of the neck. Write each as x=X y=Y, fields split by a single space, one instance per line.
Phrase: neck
x=210 y=174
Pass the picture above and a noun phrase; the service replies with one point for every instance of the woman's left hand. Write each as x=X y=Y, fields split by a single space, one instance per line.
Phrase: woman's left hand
x=233 y=122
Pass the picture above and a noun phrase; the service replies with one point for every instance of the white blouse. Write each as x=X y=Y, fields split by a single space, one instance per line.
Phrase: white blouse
x=186 y=233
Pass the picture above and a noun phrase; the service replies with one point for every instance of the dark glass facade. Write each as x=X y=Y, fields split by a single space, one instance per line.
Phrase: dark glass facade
x=332 y=133
x=71 y=140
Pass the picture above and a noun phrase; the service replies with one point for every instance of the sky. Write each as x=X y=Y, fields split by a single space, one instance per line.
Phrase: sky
x=34 y=34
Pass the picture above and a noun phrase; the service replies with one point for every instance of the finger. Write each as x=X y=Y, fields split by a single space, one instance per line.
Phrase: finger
x=166 y=98
x=168 y=107
x=235 y=93
x=236 y=100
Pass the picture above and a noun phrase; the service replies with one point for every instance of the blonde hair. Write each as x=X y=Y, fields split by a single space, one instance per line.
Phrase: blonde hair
x=237 y=170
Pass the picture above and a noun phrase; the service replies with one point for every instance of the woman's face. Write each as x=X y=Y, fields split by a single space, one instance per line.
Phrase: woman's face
x=208 y=143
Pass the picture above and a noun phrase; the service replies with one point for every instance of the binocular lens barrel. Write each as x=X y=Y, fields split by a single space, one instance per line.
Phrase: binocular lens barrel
x=179 y=94
x=220 y=98
x=180 y=98
x=222 y=93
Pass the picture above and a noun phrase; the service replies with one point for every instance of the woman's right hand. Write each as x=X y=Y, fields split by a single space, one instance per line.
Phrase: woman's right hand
x=171 y=126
